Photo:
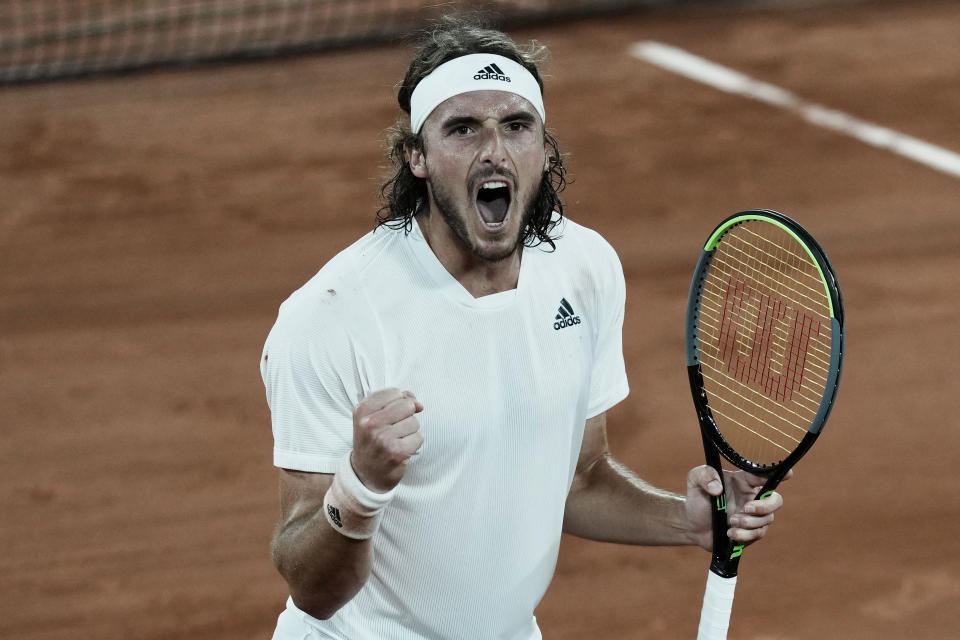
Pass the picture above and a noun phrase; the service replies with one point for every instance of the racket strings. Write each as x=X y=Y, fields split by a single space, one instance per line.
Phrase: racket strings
x=792 y=427
x=764 y=335
x=786 y=268
x=713 y=303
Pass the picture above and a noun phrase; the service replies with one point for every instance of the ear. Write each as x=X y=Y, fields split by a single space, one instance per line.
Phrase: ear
x=417 y=162
x=548 y=159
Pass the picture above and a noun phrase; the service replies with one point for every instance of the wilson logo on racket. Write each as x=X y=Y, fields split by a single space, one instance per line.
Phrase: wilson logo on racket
x=764 y=342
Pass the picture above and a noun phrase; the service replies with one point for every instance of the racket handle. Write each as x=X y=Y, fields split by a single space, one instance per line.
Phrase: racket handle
x=717 y=604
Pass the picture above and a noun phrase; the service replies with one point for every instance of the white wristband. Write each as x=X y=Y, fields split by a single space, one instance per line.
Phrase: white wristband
x=350 y=507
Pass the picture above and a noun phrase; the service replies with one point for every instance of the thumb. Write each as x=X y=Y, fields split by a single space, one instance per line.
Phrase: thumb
x=706 y=479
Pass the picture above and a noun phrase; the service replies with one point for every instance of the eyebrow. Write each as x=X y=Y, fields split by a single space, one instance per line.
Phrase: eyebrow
x=520 y=116
x=456 y=121
x=517 y=116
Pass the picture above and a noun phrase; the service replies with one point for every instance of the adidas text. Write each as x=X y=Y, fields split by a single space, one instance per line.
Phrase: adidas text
x=491 y=76
x=566 y=322
x=491 y=72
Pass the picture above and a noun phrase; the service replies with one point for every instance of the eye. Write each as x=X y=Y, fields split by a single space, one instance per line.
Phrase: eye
x=461 y=130
x=518 y=126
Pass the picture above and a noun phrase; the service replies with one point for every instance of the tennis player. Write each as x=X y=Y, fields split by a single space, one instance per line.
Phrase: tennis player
x=438 y=390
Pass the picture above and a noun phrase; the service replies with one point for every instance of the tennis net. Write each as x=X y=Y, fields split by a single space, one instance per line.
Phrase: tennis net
x=48 y=39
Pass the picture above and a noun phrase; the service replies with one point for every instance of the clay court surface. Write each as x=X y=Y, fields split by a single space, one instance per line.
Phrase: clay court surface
x=152 y=224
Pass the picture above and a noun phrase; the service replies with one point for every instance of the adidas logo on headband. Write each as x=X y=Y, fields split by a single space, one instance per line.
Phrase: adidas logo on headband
x=491 y=72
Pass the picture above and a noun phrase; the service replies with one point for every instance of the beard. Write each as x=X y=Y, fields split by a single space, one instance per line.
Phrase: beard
x=457 y=221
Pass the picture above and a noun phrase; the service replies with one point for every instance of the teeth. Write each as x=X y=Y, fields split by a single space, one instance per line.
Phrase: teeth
x=493 y=185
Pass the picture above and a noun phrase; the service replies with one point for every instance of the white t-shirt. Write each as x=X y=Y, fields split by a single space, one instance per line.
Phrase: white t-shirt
x=468 y=545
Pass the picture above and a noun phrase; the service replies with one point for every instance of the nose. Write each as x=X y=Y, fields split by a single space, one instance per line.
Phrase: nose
x=492 y=149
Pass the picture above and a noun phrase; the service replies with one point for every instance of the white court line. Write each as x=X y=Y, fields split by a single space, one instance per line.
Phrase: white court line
x=696 y=68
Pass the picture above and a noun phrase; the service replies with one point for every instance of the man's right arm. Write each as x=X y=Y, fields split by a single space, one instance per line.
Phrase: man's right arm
x=323 y=568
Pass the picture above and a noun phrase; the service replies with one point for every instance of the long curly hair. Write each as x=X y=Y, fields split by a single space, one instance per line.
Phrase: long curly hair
x=404 y=195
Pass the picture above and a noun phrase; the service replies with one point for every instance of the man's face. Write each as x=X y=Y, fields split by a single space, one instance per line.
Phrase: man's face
x=483 y=158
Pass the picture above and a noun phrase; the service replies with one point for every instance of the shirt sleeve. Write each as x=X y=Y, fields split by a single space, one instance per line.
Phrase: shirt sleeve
x=608 y=381
x=314 y=373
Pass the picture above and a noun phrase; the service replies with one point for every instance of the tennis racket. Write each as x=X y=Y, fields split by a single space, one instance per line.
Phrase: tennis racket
x=764 y=342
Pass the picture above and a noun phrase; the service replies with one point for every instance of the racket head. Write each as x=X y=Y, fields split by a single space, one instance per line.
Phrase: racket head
x=764 y=340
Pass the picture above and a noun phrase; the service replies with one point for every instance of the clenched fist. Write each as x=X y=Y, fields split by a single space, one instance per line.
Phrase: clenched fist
x=386 y=433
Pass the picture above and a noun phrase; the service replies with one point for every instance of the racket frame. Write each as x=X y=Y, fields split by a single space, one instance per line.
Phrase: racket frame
x=726 y=554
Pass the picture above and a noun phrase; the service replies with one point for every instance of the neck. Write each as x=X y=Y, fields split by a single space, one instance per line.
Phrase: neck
x=479 y=276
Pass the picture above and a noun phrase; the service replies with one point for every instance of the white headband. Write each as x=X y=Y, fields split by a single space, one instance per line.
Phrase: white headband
x=473 y=72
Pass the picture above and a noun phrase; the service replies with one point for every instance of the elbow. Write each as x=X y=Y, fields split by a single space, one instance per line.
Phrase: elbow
x=323 y=572
x=316 y=607
x=318 y=594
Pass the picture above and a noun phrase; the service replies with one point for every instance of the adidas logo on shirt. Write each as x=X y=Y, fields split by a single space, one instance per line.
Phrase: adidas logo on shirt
x=491 y=72
x=565 y=316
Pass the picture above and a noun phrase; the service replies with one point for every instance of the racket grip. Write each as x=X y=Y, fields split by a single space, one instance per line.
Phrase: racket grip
x=717 y=604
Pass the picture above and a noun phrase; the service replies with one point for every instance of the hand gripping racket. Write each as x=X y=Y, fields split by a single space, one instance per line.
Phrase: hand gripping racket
x=764 y=341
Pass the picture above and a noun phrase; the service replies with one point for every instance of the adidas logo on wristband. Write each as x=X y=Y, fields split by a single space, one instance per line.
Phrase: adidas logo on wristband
x=334 y=514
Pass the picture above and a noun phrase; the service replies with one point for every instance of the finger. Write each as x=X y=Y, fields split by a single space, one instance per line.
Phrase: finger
x=403 y=428
x=750 y=523
x=764 y=506
x=397 y=442
x=412 y=443
x=746 y=536
x=417 y=404
x=401 y=448
x=377 y=401
x=397 y=439
x=393 y=412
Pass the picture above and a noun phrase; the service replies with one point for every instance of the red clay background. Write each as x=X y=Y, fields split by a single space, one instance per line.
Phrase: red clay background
x=152 y=224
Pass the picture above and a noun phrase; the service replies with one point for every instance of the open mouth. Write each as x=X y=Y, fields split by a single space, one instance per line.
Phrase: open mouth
x=493 y=201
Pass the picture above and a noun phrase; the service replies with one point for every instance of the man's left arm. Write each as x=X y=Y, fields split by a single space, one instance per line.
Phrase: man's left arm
x=610 y=503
